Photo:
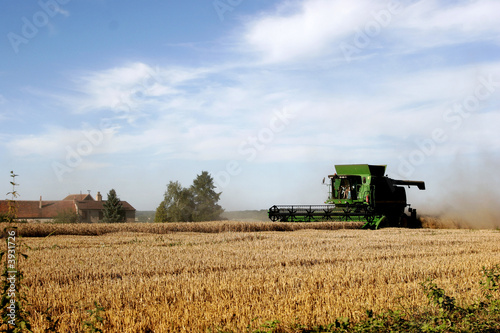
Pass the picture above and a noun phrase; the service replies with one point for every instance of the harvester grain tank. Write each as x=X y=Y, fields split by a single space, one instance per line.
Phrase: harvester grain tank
x=358 y=193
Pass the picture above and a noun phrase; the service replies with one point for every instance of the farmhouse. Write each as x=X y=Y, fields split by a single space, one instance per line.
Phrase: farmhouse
x=84 y=205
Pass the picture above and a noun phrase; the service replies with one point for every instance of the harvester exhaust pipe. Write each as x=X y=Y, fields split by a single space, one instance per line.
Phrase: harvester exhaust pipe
x=417 y=183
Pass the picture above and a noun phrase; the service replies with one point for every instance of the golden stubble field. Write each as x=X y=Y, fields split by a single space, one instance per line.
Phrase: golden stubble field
x=193 y=281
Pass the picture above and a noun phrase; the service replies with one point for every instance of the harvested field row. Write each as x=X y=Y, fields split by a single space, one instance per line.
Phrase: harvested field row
x=194 y=281
x=96 y=229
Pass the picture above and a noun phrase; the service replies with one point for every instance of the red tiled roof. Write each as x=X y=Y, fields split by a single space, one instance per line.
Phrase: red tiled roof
x=30 y=209
x=98 y=205
x=79 y=197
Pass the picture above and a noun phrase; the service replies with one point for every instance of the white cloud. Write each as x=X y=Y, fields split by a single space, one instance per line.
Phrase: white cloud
x=325 y=28
x=314 y=28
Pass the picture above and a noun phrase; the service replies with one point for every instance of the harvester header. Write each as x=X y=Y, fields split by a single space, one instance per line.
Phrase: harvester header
x=358 y=193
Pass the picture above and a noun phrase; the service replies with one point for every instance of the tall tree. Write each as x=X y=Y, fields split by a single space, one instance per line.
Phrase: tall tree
x=113 y=210
x=177 y=205
x=205 y=199
x=161 y=212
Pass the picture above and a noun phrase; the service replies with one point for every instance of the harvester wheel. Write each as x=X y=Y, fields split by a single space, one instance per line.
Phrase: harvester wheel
x=413 y=221
x=369 y=216
x=403 y=221
x=392 y=220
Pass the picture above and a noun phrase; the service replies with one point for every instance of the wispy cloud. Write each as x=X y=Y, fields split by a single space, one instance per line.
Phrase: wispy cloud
x=133 y=91
x=442 y=22
x=197 y=117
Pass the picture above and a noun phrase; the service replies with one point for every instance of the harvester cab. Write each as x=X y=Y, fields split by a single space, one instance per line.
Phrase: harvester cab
x=358 y=193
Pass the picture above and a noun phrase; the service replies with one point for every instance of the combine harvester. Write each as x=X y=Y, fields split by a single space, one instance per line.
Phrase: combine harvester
x=358 y=193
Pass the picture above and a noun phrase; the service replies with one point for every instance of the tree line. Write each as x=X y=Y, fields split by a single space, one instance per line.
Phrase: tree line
x=193 y=204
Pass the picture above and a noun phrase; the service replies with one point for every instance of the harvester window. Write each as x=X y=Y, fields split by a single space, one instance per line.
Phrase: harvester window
x=345 y=188
x=348 y=186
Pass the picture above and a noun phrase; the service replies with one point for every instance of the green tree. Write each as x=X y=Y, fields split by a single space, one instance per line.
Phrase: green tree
x=113 y=210
x=197 y=203
x=205 y=199
x=177 y=204
x=161 y=212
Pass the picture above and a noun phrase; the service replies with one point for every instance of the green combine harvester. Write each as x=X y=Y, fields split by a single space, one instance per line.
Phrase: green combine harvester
x=358 y=193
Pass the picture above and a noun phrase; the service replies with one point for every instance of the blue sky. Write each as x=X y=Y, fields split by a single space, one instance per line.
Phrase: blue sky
x=265 y=95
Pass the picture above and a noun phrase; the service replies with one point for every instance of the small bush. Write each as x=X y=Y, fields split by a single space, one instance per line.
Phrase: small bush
x=66 y=216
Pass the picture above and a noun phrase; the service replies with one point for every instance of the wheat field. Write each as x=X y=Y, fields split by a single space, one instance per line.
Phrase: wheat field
x=158 y=280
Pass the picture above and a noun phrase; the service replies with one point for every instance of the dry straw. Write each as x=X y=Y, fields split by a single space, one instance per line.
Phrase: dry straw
x=227 y=275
